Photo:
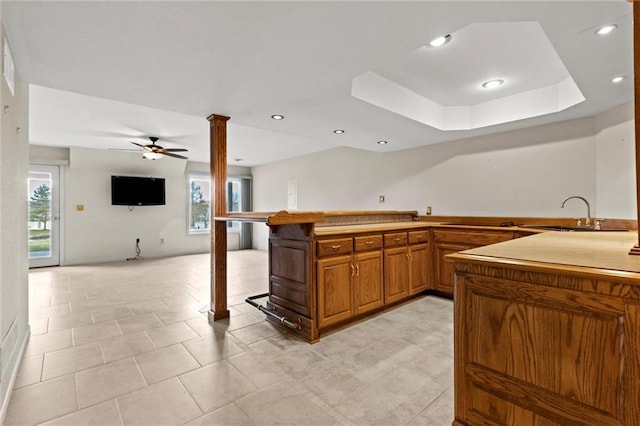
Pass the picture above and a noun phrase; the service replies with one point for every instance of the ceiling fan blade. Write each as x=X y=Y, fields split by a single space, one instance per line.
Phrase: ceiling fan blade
x=123 y=149
x=175 y=155
x=174 y=150
x=140 y=145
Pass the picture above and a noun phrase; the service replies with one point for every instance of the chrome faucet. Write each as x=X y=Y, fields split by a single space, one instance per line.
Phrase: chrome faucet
x=586 y=202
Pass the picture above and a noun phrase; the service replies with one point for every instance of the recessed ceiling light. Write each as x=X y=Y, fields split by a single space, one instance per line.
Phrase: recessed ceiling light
x=617 y=79
x=277 y=117
x=606 y=29
x=440 y=41
x=338 y=132
x=382 y=142
x=492 y=84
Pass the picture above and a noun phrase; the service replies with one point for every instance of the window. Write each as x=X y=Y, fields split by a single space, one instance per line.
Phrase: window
x=199 y=203
x=238 y=190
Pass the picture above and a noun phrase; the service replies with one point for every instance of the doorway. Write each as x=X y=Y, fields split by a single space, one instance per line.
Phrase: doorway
x=44 y=215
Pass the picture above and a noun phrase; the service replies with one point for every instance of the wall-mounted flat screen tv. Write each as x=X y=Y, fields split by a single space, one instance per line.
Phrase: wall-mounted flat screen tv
x=137 y=191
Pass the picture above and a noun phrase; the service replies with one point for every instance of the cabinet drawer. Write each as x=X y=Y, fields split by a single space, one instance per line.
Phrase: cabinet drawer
x=416 y=237
x=474 y=238
x=395 y=239
x=369 y=242
x=336 y=246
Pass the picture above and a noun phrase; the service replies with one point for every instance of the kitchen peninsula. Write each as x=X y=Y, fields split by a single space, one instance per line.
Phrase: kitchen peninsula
x=327 y=269
x=547 y=331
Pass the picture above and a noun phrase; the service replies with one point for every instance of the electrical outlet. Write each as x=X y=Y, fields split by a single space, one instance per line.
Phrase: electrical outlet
x=381 y=198
x=161 y=240
x=428 y=210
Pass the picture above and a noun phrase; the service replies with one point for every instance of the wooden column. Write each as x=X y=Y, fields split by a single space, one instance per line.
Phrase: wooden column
x=218 y=166
x=636 y=84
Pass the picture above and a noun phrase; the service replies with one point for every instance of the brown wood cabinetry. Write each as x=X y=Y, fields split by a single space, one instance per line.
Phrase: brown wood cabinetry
x=452 y=240
x=545 y=343
x=349 y=278
x=406 y=264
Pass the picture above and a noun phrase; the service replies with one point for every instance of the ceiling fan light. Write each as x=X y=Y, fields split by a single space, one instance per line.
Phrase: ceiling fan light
x=152 y=155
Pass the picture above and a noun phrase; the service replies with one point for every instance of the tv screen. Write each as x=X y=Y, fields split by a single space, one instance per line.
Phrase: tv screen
x=137 y=191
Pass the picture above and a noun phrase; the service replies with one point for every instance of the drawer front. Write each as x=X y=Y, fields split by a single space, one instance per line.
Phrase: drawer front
x=396 y=239
x=370 y=242
x=335 y=246
x=417 y=237
x=474 y=238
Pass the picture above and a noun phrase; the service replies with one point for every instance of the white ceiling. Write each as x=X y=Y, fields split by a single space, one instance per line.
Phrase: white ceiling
x=107 y=73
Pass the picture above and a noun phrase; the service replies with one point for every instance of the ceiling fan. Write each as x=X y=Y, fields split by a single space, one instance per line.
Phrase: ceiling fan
x=154 y=152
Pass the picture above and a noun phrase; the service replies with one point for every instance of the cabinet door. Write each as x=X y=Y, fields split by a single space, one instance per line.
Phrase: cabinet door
x=334 y=290
x=367 y=282
x=396 y=274
x=444 y=276
x=419 y=279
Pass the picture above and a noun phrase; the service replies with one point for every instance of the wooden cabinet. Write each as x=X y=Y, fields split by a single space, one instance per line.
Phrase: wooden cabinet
x=539 y=345
x=349 y=278
x=406 y=264
x=335 y=290
x=448 y=241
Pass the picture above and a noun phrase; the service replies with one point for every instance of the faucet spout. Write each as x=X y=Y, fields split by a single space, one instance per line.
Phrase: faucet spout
x=588 y=220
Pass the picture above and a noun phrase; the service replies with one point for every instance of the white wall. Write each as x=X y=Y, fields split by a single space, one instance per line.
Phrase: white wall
x=519 y=173
x=615 y=164
x=102 y=232
x=14 y=328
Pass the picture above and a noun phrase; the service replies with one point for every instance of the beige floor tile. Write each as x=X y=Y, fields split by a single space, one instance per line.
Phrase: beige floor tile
x=30 y=371
x=260 y=373
x=174 y=315
x=147 y=307
x=216 y=385
x=96 y=332
x=126 y=346
x=39 y=326
x=103 y=414
x=108 y=381
x=48 y=342
x=255 y=332
x=229 y=415
x=171 y=334
x=283 y=401
x=212 y=348
x=70 y=360
x=111 y=313
x=41 y=402
x=67 y=322
x=166 y=362
x=387 y=370
x=201 y=326
x=139 y=323
x=164 y=403
x=87 y=305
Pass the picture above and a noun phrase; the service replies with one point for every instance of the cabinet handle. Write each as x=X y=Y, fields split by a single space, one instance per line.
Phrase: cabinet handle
x=336 y=247
x=408 y=257
x=397 y=240
x=357 y=270
x=369 y=243
x=353 y=270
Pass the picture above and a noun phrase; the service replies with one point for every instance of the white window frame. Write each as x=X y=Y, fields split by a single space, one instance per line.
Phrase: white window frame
x=200 y=177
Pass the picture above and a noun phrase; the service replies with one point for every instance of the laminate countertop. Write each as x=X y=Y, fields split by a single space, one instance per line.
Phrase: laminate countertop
x=605 y=251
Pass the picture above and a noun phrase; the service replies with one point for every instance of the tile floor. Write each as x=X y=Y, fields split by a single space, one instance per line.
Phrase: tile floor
x=128 y=343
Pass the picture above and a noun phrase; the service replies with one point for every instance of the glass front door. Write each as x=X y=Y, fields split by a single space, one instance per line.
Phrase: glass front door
x=44 y=213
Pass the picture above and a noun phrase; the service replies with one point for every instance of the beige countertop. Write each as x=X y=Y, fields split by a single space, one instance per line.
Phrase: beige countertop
x=598 y=250
x=371 y=227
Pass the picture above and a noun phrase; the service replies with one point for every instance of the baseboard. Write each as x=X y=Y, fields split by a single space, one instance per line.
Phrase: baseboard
x=14 y=375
